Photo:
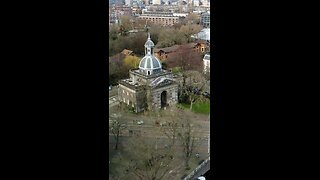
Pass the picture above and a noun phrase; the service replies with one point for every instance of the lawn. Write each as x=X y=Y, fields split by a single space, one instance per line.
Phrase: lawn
x=201 y=107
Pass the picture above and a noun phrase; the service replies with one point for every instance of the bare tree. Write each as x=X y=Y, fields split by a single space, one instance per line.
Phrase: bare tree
x=187 y=138
x=117 y=126
x=148 y=161
x=196 y=83
x=188 y=30
x=179 y=126
x=125 y=24
x=186 y=59
x=173 y=118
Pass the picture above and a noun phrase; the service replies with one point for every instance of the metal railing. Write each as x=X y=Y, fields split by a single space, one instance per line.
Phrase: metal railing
x=197 y=169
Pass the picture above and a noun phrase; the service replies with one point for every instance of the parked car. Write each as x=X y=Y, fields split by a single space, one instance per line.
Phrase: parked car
x=163 y=124
x=140 y=122
x=206 y=94
x=195 y=90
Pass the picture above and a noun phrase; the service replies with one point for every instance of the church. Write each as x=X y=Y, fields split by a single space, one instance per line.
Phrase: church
x=150 y=87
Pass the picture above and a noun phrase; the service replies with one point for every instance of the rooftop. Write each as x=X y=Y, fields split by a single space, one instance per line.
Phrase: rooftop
x=126 y=52
x=163 y=72
x=128 y=83
x=117 y=57
x=204 y=34
x=167 y=49
x=175 y=47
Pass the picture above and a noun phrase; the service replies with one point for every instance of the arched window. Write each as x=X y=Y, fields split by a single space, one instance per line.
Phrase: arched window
x=148 y=72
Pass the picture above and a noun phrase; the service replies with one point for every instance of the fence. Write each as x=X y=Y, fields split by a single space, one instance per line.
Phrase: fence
x=197 y=169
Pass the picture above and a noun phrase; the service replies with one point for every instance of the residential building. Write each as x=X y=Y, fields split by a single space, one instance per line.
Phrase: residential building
x=204 y=34
x=203 y=46
x=196 y=3
x=205 y=19
x=164 y=53
x=128 y=2
x=206 y=63
x=162 y=18
x=156 y=2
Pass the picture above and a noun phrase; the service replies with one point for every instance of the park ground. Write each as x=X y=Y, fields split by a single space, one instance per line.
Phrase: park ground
x=151 y=132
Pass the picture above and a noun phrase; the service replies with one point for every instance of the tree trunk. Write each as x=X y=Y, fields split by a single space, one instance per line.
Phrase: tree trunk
x=187 y=163
x=191 y=103
x=183 y=81
x=117 y=140
x=173 y=139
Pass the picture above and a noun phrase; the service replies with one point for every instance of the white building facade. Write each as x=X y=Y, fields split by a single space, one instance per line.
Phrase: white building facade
x=206 y=63
x=156 y=2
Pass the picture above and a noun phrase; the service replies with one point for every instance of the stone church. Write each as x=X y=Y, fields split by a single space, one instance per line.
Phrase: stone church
x=150 y=86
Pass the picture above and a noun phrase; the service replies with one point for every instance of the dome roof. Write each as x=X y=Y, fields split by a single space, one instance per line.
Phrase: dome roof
x=150 y=62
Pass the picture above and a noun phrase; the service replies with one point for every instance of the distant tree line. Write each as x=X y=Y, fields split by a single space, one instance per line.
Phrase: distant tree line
x=133 y=42
x=120 y=38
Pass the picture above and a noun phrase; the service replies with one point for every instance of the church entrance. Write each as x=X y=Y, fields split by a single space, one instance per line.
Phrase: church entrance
x=163 y=99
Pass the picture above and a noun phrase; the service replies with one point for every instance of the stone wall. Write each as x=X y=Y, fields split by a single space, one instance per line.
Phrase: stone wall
x=142 y=96
x=172 y=95
x=132 y=97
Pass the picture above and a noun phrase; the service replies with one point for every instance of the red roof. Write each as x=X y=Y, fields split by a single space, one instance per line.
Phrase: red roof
x=117 y=57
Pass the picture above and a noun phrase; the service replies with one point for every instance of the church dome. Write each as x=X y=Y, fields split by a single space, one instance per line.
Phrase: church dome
x=150 y=62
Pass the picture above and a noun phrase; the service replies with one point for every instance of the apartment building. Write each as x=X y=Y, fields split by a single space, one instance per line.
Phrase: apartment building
x=162 y=18
x=205 y=19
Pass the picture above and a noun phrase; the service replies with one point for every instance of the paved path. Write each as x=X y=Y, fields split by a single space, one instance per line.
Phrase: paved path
x=201 y=148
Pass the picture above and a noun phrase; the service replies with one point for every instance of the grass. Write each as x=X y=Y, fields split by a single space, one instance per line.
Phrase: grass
x=184 y=105
x=201 y=107
x=176 y=69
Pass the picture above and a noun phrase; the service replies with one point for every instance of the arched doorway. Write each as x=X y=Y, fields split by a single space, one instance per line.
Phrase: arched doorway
x=163 y=99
